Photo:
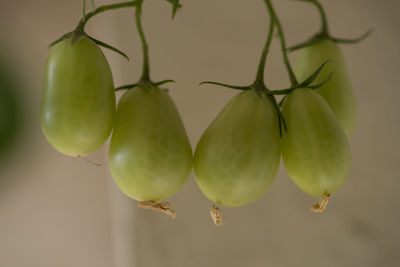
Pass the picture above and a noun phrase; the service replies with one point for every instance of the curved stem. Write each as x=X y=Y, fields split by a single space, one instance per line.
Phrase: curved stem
x=324 y=33
x=102 y=9
x=261 y=65
x=324 y=21
x=146 y=65
x=292 y=77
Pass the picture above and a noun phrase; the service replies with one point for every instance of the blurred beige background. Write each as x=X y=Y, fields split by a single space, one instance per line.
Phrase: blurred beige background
x=61 y=211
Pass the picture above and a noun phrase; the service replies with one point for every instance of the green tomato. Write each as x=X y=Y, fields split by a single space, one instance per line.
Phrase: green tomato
x=78 y=101
x=338 y=91
x=150 y=155
x=315 y=149
x=238 y=156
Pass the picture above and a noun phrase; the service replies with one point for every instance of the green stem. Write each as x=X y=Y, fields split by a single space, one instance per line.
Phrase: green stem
x=289 y=69
x=324 y=21
x=146 y=65
x=263 y=60
x=83 y=8
x=324 y=32
x=102 y=9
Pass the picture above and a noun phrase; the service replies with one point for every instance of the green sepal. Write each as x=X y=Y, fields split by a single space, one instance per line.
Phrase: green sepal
x=65 y=36
x=313 y=76
x=316 y=38
x=282 y=101
x=316 y=86
x=281 y=119
x=128 y=86
x=305 y=84
x=100 y=43
x=353 y=41
x=77 y=34
x=155 y=84
x=163 y=82
x=243 y=88
x=304 y=0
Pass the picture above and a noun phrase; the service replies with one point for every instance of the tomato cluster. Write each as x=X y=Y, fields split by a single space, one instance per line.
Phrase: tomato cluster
x=150 y=154
x=238 y=155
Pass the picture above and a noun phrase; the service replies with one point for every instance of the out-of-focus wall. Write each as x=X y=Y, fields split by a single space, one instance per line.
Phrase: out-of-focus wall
x=61 y=211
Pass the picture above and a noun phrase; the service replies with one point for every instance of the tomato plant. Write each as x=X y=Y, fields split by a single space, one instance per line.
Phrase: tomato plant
x=150 y=154
x=78 y=101
x=238 y=155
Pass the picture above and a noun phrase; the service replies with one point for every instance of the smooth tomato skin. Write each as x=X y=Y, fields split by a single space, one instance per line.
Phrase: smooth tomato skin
x=150 y=155
x=78 y=100
x=338 y=92
x=315 y=149
x=238 y=156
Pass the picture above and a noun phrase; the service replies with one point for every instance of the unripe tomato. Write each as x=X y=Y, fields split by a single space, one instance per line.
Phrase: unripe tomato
x=338 y=91
x=78 y=101
x=315 y=149
x=150 y=155
x=238 y=156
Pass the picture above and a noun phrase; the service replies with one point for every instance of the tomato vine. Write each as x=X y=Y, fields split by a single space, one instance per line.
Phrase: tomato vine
x=145 y=77
x=324 y=32
x=80 y=28
x=259 y=84
x=259 y=116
